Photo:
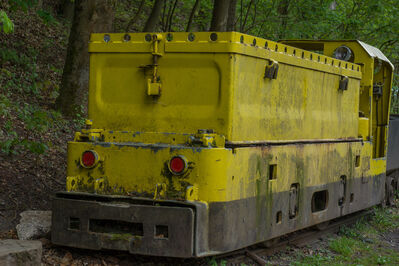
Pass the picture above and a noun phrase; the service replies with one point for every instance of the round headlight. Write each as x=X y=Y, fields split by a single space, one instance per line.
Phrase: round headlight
x=343 y=53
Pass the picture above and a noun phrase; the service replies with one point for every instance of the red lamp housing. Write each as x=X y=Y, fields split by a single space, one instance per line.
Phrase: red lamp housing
x=89 y=159
x=178 y=165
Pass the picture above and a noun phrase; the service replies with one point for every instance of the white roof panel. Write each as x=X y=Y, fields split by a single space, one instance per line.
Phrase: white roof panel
x=375 y=52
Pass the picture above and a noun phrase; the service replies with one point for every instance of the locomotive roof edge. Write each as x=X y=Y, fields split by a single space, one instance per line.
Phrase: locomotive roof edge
x=371 y=50
x=208 y=42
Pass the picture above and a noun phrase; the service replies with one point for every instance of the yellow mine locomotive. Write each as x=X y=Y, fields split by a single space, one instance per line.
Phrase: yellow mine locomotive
x=204 y=143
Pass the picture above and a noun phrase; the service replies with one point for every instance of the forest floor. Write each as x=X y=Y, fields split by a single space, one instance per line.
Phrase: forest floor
x=33 y=139
x=33 y=135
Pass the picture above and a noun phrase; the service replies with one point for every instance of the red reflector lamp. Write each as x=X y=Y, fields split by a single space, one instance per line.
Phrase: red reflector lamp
x=177 y=165
x=89 y=159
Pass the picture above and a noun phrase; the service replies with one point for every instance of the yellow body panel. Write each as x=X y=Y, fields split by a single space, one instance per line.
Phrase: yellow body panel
x=216 y=174
x=224 y=90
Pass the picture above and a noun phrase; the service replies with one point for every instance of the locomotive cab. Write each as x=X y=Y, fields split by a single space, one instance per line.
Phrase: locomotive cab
x=204 y=143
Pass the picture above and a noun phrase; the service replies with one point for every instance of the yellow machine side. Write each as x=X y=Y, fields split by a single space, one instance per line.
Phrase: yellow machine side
x=221 y=85
x=300 y=104
x=275 y=139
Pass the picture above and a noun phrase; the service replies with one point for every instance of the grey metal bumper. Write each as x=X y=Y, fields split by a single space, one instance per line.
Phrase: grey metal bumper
x=140 y=226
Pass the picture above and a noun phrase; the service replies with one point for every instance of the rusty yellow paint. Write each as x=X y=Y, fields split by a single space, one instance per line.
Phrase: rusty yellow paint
x=217 y=174
x=210 y=90
x=208 y=99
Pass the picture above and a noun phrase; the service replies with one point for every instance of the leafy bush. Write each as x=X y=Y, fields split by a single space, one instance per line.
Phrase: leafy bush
x=5 y=106
x=22 y=4
x=46 y=17
x=5 y=23
x=12 y=56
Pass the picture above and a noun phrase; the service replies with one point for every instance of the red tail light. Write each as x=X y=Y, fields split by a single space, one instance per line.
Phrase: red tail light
x=89 y=158
x=177 y=165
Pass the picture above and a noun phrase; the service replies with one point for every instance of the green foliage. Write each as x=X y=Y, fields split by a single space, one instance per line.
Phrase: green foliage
x=12 y=56
x=22 y=4
x=8 y=146
x=27 y=83
x=34 y=146
x=5 y=106
x=384 y=220
x=79 y=118
x=382 y=260
x=354 y=230
x=35 y=118
x=363 y=243
x=317 y=259
x=5 y=23
x=344 y=246
x=46 y=17
x=13 y=145
x=214 y=262
x=395 y=95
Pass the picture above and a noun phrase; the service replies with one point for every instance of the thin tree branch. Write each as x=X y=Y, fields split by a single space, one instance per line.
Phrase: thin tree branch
x=241 y=13
x=387 y=44
x=134 y=19
x=253 y=24
x=167 y=17
x=171 y=16
x=190 y=20
x=246 y=16
x=163 y=22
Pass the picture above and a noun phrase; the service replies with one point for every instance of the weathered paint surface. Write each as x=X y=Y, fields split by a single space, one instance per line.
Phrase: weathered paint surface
x=217 y=174
x=224 y=90
x=267 y=154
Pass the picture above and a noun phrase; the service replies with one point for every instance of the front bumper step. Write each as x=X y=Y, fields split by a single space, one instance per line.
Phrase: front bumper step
x=138 y=226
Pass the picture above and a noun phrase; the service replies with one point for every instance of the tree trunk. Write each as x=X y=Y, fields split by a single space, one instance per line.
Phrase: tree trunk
x=231 y=19
x=90 y=16
x=219 y=15
x=154 y=17
x=66 y=9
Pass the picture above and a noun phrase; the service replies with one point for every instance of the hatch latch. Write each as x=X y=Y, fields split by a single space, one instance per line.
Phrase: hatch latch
x=271 y=70
x=153 y=83
x=343 y=83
